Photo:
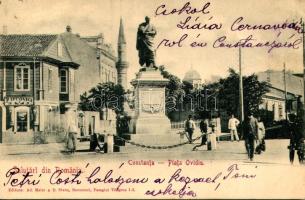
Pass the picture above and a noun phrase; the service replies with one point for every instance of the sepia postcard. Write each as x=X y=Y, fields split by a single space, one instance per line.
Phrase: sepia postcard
x=159 y=99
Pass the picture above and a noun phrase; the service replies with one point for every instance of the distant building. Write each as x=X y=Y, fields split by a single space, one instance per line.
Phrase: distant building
x=193 y=77
x=274 y=100
x=102 y=57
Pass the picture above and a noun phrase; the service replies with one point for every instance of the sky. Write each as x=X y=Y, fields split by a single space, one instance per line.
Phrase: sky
x=91 y=17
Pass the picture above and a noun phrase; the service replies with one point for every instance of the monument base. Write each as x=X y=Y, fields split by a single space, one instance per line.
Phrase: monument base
x=150 y=103
x=150 y=125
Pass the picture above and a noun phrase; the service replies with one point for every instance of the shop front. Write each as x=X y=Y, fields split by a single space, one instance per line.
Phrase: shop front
x=20 y=116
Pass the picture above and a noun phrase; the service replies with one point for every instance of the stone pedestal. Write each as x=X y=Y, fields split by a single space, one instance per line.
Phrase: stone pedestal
x=110 y=143
x=150 y=103
x=212 y=141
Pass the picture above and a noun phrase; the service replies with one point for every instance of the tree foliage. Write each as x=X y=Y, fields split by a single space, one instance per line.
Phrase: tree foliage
x=104 y=95
x=228 y=93
x=173 y=91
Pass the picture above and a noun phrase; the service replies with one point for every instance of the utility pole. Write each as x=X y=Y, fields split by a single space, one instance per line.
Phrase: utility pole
x=241 y=93
x=285 y=88
x=303 y=32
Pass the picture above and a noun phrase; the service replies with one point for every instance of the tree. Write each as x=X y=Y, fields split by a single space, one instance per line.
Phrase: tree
x=253 y=93
x=104 y=95
x=227 y=90
x=173 y=91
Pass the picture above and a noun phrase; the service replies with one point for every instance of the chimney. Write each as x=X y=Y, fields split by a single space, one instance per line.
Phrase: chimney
x=4 y=29
x=68 y=29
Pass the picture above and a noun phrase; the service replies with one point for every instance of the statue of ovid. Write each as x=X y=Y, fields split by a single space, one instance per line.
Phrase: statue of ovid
x=145 y=44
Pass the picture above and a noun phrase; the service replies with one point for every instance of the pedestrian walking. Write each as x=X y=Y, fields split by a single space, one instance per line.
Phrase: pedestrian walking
x=232 y=126
x=261 y=146
x=189 y=128
x=296 y=138
x=250 y=134
x=204 y=124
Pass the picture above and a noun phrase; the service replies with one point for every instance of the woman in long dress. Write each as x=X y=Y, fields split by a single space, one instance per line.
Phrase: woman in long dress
x=260 y=135
x=71 y=142
x=72 y=130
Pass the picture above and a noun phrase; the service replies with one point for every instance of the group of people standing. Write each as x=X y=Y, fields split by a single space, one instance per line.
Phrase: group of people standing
x=253 y=132
x=204 y=125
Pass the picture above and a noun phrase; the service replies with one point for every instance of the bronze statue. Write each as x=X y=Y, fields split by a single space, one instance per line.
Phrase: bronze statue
x=145 y=44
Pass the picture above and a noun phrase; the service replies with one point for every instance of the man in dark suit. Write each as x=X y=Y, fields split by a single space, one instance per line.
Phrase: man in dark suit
x=296 y=138
x=204 y=124
x=250 y=134
x=94 y=142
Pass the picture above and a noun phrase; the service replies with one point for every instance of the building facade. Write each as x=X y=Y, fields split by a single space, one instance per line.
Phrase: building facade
x=105 y=61
x=43 y=76
x=37 y=84
x=278 y=100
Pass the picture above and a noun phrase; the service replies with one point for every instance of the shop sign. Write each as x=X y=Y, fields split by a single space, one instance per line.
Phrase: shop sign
x=15 y=100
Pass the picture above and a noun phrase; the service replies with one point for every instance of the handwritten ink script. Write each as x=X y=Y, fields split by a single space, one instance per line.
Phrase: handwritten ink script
x=176 y=184
x=202 y=19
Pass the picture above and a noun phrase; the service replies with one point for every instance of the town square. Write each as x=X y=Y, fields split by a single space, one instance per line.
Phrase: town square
x=159 y=85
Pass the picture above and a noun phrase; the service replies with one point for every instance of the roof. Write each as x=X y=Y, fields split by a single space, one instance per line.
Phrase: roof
x=98 y=42
x=191 y=75
x=25 y=44
x=76 y=51
x=79 y=51
x=294 y=84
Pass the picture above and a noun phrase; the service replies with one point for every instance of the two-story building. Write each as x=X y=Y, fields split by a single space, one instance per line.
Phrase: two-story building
x=42 y=78
x=37 y=81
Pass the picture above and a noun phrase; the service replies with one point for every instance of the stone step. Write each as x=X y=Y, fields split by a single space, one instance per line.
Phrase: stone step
x=158 y=140
x=82 y=146
x=172 y=137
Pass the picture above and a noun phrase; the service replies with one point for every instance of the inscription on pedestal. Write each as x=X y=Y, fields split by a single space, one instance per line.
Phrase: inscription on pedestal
x=150 y=103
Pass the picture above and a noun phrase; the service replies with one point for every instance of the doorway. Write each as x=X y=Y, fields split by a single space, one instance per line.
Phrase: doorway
x=92 y=123
x=22 y=121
